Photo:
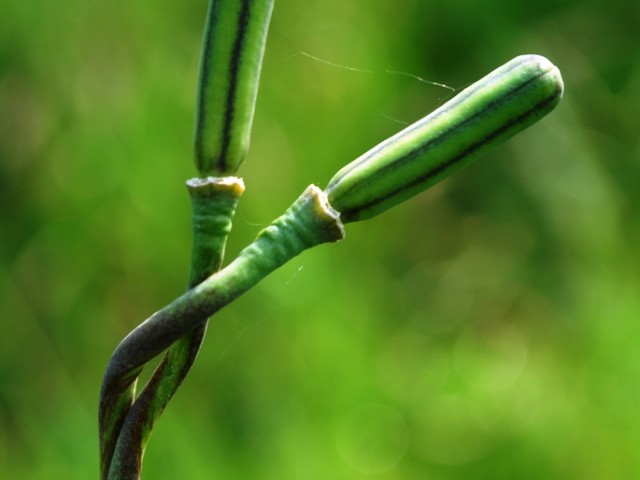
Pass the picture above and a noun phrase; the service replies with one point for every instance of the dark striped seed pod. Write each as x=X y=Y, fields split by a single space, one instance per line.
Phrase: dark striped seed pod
x=234 y=42
x=487 y=113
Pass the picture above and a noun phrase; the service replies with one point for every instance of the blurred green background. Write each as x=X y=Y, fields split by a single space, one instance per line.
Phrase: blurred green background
x=487 y=329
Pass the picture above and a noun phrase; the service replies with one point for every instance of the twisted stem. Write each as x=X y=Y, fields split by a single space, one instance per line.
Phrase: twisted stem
x=214 y=201
x=308 y=222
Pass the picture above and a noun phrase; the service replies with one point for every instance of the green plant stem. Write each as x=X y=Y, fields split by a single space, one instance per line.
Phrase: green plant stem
x=214 y=201
x=308 y=222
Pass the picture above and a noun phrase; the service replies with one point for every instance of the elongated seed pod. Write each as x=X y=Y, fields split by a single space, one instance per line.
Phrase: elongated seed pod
x=234 y=42
x=487 y=113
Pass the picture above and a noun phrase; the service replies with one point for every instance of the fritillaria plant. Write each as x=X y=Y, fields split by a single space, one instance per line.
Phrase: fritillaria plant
x=485 y=114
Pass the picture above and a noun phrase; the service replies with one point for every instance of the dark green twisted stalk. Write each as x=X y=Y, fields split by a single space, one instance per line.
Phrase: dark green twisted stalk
x=213 y=202
x=489 y=112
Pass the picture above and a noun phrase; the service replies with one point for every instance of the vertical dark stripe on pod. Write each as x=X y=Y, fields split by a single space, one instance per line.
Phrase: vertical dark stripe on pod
x=236 y=60
x=205 y=74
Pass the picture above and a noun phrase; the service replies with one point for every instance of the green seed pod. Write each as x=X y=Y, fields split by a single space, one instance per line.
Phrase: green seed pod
x=487 y=113
x=234 y=42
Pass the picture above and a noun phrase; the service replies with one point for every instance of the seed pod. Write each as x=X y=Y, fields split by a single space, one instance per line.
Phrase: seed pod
x=487 y=113
x=234 y=41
